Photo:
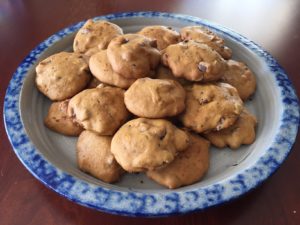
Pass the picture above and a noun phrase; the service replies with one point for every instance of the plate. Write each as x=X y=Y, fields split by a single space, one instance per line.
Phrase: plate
x=51 y=158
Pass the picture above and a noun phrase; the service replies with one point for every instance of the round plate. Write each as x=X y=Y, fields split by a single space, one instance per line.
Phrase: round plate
x=51 y=157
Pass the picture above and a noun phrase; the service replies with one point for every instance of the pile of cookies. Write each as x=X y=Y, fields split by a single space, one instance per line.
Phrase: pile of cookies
x=151 y=101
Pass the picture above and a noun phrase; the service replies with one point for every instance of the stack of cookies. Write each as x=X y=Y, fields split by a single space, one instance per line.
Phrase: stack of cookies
x=148 y=102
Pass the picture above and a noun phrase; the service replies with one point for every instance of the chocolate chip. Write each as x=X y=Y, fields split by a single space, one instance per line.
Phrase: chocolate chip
x=202 y=68
x=170 y=28
x=203 y=101
x=87 y=70
x=220 y=124
x=153 y=43
x=124 y=41
x=162 y=134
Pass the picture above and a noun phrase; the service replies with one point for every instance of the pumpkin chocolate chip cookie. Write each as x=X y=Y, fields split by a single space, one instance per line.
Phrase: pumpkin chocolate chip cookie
x=94 y=157
x=194 y=61
x=155 y=98
x=100 y=109
x=133 y=55
x=62 y=75
x=144 y=144
x=164 y=36
x=205 y=36
x=240 y=76
x=58 y=120
x=241 y=132
x=95 y=36
x=211 y=107
x=101 y=68
x=188 y=167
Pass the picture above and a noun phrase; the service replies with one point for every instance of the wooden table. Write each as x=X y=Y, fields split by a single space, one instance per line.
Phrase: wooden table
x=275 y=25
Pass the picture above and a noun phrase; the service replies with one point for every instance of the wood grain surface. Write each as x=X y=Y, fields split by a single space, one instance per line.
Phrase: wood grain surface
x=275 y=25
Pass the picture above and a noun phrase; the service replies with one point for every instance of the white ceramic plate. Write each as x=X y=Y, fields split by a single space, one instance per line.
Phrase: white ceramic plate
x=50 y=157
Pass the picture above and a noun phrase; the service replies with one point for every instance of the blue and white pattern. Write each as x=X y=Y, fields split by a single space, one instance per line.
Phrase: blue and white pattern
x=156 y=203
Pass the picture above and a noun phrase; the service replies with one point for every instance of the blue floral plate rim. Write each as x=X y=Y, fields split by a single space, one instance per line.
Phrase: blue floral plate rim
x=133 y=203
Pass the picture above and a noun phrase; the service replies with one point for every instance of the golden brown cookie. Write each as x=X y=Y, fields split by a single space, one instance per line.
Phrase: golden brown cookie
x=163 y=72
x=58 y=120
x=101 y=68
x=62 y=75
x=241 y=132
x=95 y=36
x=187 y=168
x=194 y=61
x=143 y=144
x=155 y=98
x=211 y=107
x=94 y=157
x=100 y=109
x=133 y=55
x=239 y=76
x=205 y=36
x=164 y=36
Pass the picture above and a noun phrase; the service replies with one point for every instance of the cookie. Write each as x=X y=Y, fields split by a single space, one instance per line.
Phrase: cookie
x=187 y=168
x=211 y=107
x=94 y=157
x=164 y=36
x=155 y=98
x=144 y=144
x=100 y=109
x=101 y=68
x=94 y=36
x=133 y=55
x=58 y=120
x=205 y=36
x=240 y=76
x=163 y=72
x=241 y=132
x=94 y=82
x=62 y=75
x=194 y=61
